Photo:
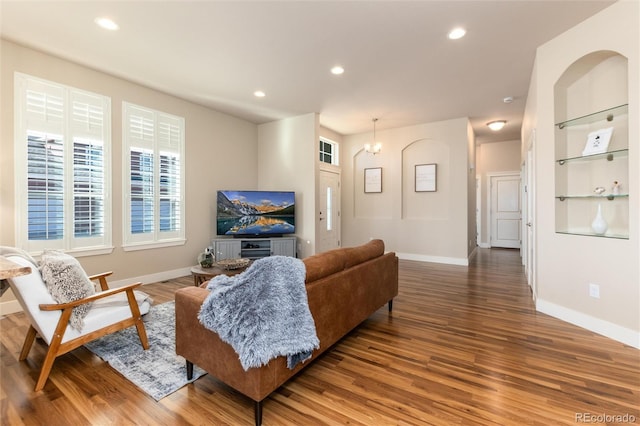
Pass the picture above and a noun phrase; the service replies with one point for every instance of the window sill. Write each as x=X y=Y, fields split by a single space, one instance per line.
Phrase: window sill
x=149 y=246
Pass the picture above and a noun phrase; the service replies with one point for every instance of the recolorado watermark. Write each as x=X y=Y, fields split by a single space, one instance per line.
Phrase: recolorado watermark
x=605 y=418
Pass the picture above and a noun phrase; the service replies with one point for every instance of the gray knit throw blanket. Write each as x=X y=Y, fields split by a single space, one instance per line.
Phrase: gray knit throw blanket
x=263 y=312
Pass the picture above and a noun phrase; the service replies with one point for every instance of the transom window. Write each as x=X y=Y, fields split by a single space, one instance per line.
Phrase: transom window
x=328 y=151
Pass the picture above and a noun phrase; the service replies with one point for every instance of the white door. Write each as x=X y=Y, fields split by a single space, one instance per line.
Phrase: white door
x=530 y=253
x=505 y=211
x=328 y=216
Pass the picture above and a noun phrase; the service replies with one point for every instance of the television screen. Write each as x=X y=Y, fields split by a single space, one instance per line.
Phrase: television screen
x=247 y=213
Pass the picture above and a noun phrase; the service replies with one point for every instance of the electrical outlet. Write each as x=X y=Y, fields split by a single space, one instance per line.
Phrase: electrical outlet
x=594 y=290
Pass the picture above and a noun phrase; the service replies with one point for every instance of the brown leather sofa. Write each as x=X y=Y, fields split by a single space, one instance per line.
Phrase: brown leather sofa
x=344 y=287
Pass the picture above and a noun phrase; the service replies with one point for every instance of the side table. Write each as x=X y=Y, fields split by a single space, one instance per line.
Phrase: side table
x=201 y=274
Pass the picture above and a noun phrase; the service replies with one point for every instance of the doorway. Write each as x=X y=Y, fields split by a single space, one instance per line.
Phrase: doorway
x=328 y=216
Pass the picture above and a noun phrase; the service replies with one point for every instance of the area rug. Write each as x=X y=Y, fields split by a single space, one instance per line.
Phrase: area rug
x=158 y=371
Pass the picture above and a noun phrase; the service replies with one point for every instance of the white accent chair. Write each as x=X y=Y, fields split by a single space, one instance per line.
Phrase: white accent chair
x=112 y=310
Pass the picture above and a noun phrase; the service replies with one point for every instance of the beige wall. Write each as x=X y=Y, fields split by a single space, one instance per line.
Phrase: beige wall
x=566 y=264
x=430 y=226
x=491 y=158
x=220 y=154
x=287 y=153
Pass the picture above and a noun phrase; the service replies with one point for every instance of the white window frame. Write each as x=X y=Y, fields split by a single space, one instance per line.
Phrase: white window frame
x=142 y=128
x=335 y=161
x=77 y=114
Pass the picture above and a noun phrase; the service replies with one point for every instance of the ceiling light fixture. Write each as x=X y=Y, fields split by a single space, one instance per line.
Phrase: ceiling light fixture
x=457 y=33
x=259 y=94
x=496 y=125
x=107 y=24
x=337 y=70
x=376 y=146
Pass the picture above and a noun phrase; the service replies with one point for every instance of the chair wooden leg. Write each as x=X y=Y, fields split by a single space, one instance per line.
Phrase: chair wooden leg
x=135 y=311
x=54 y=347
x=28 y=342
x=142 y=333
x=46 y=367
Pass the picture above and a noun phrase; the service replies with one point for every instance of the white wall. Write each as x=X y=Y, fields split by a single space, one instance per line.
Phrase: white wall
x=287 y=161
x=429 y=226
x=220 y=154
x=566 y=264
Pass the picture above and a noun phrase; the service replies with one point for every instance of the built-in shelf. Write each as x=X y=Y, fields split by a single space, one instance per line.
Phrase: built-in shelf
x=596 y=185
x=608 y=114
x=609 y=197
x=587 y=233
x=609 y=156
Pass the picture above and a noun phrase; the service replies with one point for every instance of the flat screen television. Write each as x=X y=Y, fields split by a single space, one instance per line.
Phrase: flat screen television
x=255 y=213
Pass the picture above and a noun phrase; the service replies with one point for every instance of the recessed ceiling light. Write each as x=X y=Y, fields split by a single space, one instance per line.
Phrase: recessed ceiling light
x=337 y=70
x=496 y=125
x=457 y=33
x=259 y=94
x=107 y=24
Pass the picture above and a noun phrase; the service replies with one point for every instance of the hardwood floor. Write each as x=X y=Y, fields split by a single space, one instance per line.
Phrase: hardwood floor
x=463 y=345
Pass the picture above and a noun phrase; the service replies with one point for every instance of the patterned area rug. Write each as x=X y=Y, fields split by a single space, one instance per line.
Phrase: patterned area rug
x=158 y=371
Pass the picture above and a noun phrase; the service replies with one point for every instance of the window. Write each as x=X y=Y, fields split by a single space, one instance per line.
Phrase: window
x=153 y=178
x=62 y=142
x=328 y=151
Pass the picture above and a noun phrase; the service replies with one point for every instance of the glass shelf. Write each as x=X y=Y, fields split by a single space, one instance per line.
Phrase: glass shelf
x=609 y=197
x=609 y=156
x=593 y=234
x=607 y=114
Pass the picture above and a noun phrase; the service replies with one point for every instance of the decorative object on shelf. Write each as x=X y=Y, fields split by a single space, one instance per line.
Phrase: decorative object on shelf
x=599 y=190
x=205 y=259
x=230 y=264
x=615 y=189
x=376 y=147
x=599 y=225
x=598 y=141
x=426 y=177
x=373 y=180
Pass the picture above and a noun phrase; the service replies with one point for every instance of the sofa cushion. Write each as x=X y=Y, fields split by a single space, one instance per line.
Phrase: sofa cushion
x=67 y=281
x=329 y=262
x=324 y=264
x=360 y=254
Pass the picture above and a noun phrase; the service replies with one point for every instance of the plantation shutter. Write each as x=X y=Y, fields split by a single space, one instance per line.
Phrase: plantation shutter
x=63 y=137
x=154 y=208
x=87 y=129
x=44 y=119
x=170 y=141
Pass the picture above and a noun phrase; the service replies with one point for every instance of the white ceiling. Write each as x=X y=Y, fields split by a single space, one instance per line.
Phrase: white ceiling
x=400 y=66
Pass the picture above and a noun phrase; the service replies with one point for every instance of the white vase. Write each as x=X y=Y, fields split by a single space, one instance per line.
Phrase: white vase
x=599 y=225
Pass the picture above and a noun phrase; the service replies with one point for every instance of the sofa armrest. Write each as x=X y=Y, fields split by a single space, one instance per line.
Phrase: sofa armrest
x=205 y=349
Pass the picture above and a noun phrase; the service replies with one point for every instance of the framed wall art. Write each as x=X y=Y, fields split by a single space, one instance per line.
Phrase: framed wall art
x=426 y=177
x=373 y=180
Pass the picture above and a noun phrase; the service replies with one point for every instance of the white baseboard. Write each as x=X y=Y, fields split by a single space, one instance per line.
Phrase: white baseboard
x=13 y=306
x=153 y=278
x=10 y=307
x=602 y=327
x=434 y=259
x=484 y=245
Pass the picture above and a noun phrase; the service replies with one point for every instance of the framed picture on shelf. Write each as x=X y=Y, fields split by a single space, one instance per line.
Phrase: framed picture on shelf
x=598 y=141
x=426 y=177
x=373 y=180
